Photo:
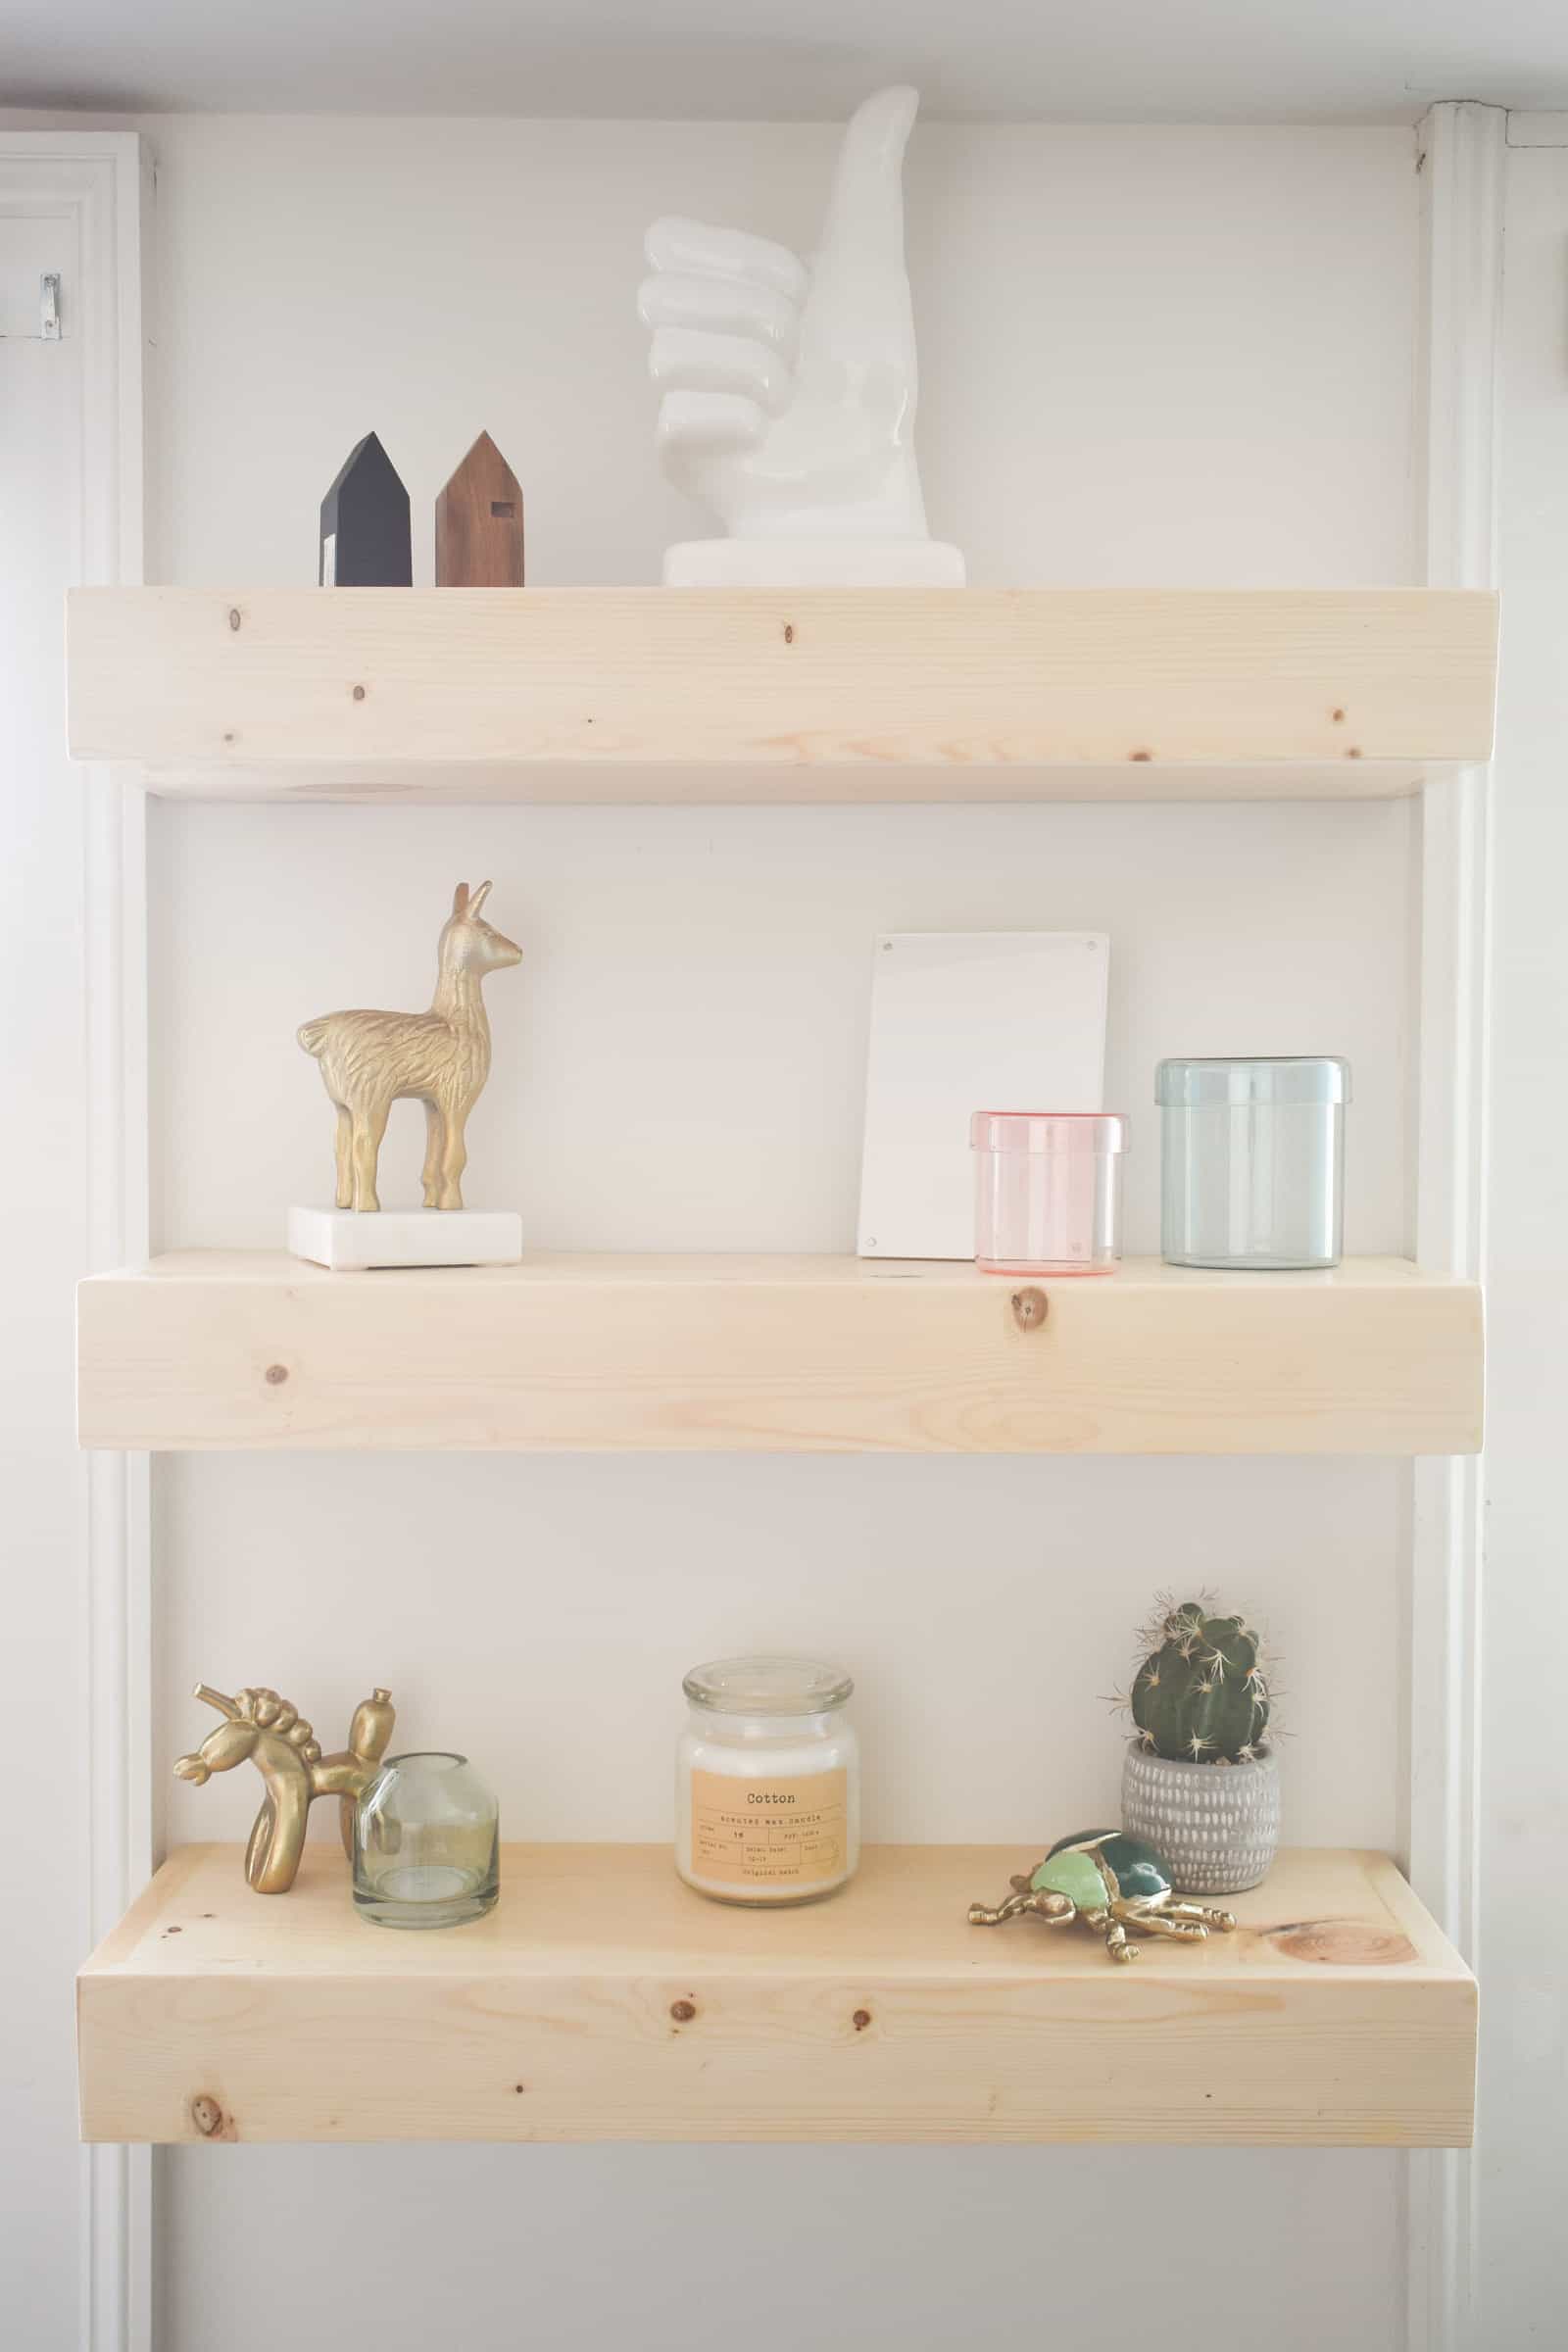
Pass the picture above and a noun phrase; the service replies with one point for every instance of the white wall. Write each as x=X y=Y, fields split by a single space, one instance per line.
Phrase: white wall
x=1151 y=354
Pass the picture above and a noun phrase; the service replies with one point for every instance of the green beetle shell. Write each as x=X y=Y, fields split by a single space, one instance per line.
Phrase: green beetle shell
x=1139 y=1873
x=1072 y=1875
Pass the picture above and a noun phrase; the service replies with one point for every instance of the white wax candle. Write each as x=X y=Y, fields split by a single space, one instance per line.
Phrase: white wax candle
x=767 y=1805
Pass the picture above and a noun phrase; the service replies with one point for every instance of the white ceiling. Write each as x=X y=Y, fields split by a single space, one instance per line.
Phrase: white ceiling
x=1063 y=60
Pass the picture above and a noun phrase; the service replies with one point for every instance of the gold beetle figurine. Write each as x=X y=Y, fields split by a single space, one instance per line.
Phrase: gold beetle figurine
x=1112 y=1882
x=279 y=1742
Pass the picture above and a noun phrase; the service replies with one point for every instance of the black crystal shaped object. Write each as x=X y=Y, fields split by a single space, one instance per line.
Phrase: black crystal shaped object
x=366 y=540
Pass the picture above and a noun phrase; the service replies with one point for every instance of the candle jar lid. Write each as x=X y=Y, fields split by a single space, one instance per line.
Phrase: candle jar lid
x=767 y=1685
x=1196 y=1082
x=1049 y=1131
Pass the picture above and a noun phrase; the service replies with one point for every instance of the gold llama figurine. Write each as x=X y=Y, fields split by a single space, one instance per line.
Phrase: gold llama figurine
x=279 y=1742
x=371 y=1061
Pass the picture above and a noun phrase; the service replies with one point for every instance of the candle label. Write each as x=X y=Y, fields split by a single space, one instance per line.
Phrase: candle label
x=789 y=1832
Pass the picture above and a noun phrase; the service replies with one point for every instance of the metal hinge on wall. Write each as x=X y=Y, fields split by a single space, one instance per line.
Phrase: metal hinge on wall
x=49 y=306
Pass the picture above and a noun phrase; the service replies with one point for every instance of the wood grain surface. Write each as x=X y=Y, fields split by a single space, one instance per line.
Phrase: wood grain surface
x=604 y=2000
x=427 y=695
x=214 y=1349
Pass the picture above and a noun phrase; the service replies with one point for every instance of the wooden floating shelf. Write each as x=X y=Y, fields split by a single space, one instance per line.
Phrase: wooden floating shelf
x=771 y=695
x=207 y=1349
x=604 y=2000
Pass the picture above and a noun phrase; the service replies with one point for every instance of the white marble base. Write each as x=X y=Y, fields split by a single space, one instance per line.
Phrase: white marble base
x=814 y=564
x=349 y=1243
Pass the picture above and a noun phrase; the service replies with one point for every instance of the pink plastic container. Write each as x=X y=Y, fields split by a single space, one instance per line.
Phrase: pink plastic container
x=1048 y=1191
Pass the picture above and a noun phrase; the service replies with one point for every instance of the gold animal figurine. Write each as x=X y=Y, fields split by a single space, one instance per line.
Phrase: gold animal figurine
x=1114 y=1884
x=371 y=1061
x=280 y=1744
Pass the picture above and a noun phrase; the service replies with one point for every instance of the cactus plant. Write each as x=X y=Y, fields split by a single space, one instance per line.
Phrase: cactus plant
x=1201 y=1695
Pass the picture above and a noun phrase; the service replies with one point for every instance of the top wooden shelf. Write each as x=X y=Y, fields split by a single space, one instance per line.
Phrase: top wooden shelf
x=775 y=695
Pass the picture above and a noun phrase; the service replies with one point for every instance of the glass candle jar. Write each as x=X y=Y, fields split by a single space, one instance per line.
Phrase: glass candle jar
x=1251 y=1157
x=426 y=1844
x=767 y=1782
x=1048 y=1191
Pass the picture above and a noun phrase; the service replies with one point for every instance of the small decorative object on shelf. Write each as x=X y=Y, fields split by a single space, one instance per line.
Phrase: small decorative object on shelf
x=1048 y=1191
x=479 y=524
x=426 y=1845
x=1252 y=1160
x=260 y=1727
x=788 y=391
x=366 y=536
x=441 y=1059
x=1201 y=1778
x=767 y=1783
x=1113 y=1882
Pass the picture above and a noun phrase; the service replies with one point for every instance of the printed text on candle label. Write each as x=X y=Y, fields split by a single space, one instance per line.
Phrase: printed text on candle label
x=790 y=1833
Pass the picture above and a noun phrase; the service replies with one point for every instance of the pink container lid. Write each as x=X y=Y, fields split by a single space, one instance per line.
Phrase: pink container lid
x=1049 y=1131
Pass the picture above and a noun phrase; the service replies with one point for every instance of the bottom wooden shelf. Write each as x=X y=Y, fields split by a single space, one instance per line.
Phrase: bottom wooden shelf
x=603 y=2000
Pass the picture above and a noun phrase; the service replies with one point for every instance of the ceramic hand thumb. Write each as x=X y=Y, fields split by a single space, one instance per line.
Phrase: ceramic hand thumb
x=864 y=221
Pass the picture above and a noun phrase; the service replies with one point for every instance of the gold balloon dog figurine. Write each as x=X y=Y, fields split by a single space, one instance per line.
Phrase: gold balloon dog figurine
x=1111 y=1883
x=441 y=1059
x=279 y=1742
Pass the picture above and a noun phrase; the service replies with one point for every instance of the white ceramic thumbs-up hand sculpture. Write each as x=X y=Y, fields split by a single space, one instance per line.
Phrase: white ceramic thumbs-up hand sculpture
x=789 y=390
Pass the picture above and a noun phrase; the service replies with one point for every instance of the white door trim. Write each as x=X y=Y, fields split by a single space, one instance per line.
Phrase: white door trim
x=99 y=179
x=1464 y=160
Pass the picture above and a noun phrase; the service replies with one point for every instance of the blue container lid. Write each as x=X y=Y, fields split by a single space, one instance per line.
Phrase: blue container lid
x=1216 y=1080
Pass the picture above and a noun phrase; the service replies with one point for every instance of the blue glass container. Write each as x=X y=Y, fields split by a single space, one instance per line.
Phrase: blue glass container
x=1252 y=1160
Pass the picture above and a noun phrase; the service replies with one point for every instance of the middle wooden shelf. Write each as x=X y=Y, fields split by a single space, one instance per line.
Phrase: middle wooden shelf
x=210 y=1350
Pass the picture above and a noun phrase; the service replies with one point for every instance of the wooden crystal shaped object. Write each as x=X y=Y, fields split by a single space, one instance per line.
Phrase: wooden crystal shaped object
x=479 y=524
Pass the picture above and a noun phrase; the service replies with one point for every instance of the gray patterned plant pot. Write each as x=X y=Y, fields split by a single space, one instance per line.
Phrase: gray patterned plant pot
x=1216 y=1825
